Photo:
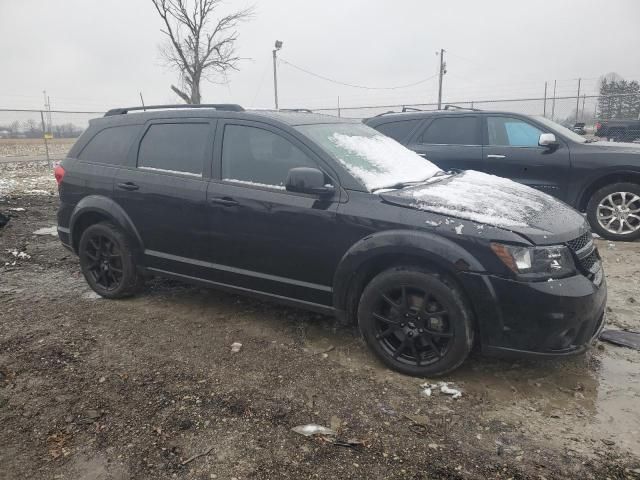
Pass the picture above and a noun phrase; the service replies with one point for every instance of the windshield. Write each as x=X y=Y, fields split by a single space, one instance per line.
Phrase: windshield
x=573 y=136
x=372 y=158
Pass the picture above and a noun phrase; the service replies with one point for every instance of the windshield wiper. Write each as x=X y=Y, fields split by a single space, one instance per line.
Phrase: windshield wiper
x=401 y=185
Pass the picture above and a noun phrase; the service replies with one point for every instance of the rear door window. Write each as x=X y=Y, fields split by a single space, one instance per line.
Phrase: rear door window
x=458 y=130
x=398 y=130
x=111 y=145
x=175 y=148
x=257 y=156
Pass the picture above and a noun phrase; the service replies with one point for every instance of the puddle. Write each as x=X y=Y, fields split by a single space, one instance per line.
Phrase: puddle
x=584 y=400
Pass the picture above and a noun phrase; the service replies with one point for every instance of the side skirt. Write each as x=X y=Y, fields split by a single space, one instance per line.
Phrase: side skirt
x=315 y=307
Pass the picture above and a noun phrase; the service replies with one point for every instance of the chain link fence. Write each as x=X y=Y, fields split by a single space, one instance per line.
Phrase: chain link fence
x=40 y=135
x=47 y=136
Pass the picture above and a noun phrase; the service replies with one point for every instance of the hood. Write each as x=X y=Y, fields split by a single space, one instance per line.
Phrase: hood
x=495 y=201
x=610 y=147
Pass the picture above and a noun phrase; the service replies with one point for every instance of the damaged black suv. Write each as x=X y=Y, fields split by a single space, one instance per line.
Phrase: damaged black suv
x=329 y=215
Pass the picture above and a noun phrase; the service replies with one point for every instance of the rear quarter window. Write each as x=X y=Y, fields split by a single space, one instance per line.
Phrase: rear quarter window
x=398 y=130
x=111 y=145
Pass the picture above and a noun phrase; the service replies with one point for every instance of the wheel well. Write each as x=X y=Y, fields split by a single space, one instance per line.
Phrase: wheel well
x=369 y=269
x=604 y=181
x=84 y=222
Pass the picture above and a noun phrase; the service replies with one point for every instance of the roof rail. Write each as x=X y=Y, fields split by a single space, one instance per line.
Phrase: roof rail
x=296 y=110
x=229 y=107
x=385 y=113
x=457 y=107
x=411 y=109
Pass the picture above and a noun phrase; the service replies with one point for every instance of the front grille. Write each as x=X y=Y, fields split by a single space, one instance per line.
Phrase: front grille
x=580 y=242
x=586 y=254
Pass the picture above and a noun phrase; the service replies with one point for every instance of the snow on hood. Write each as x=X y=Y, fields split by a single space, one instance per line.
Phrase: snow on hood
x=486 y=199
x=379 y=161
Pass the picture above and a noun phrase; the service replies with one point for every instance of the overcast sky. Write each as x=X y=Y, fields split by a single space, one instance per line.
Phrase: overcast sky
x=96 y=54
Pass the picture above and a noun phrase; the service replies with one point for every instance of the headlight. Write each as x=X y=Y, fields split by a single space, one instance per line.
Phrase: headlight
x=536 y=263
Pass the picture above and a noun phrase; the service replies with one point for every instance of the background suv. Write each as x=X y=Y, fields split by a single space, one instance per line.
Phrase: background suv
x=330 y=215
x=599 y=178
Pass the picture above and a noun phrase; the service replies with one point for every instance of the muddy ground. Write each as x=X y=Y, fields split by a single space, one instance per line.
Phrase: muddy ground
x=100 y=389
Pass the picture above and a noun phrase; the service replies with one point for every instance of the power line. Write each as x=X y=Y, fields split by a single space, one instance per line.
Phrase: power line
x=364 y=87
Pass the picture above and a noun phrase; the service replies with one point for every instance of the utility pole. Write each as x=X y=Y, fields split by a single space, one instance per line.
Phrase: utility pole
x=553 y=104
x=278 y=46
x=578 y=100
x=544 y=108
x=443 y=70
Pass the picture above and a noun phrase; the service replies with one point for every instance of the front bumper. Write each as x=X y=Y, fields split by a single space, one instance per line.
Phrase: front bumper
x=538 y=319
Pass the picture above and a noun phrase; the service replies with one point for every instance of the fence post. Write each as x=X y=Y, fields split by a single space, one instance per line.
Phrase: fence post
x=44 y=135
x=544 y=107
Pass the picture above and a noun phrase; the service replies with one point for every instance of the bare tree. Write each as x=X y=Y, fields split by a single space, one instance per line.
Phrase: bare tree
x=199 y=46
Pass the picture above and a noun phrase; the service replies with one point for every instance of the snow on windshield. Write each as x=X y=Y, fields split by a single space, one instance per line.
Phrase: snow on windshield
x=482 y=198
x=380 y=161
x=375 y=160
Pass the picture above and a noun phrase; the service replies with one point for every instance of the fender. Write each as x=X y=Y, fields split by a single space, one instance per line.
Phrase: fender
x=433 y=248
x=110 y=209
x=587 y=188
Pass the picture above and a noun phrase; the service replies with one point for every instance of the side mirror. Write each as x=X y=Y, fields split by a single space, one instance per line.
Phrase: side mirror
x=548 y=140
x=308 y=180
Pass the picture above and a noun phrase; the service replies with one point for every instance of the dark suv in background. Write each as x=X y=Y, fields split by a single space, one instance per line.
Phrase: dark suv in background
x=599 y=178
x=330 y=215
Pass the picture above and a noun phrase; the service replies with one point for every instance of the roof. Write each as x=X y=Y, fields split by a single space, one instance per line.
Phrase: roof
x=124 y=116
x=396 y=116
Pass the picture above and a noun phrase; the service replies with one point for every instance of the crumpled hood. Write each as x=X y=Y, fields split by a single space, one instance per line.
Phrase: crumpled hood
x=495 y=201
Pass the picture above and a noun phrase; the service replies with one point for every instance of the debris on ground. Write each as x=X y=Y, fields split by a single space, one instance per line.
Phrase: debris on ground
x=622 y=338
x=236 y=347
x=443 y=387
x=17 y=209
x=47 y=231
x=20 y=255
x=4 y=219
x=198 y=455
x=312 y=429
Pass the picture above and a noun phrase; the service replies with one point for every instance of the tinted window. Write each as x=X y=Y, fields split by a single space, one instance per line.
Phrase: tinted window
x=176 y=147
x=452 y=131
x=255 y=155
x=512 y=132
x=398 y=130
x=110 y=145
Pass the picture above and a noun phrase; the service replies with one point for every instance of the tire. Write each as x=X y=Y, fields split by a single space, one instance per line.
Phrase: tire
x=392 y=312
x=622 y=201
x=107 y=262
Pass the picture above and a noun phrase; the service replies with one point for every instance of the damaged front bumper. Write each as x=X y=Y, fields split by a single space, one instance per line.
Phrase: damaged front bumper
x=539 y=319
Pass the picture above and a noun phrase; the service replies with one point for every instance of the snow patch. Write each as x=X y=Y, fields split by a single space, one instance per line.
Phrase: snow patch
x=459 y=229
x=18 y=209
x=482 y=198
x=47 y=231
x=379 y=161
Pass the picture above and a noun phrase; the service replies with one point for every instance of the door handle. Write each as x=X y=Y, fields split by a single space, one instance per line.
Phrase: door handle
x=224 y=201
x=496 y=156
x=128 y=186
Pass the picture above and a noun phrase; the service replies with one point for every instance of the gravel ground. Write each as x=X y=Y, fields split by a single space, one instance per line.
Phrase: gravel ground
x=99 y=389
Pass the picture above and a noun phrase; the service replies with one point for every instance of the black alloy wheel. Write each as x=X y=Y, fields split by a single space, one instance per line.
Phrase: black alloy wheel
x=415 y=321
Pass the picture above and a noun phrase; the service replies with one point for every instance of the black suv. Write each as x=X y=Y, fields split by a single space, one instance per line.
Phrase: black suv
x=599 y=178
x=330 y=215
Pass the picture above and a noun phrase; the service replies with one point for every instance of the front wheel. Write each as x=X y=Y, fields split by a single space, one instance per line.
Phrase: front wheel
x=415 y=322
x=614 y=211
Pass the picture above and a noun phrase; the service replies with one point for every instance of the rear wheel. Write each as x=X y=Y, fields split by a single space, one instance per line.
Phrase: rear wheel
x=614 y=211
x=107 y=262
x=415 y=322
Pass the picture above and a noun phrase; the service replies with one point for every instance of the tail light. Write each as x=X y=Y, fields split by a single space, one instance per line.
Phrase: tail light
x=58 y=172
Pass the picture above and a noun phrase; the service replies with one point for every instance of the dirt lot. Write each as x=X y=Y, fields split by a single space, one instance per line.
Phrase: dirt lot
x=99 y=389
